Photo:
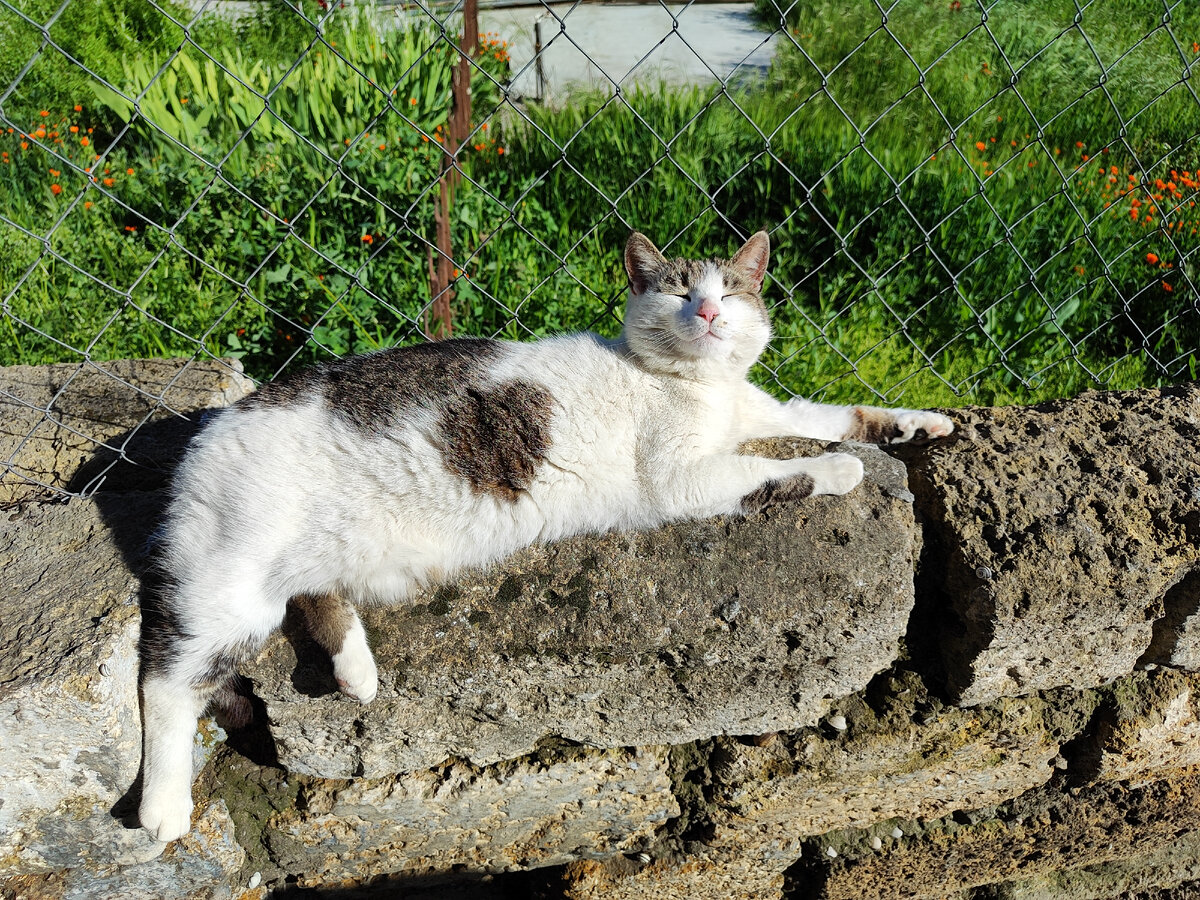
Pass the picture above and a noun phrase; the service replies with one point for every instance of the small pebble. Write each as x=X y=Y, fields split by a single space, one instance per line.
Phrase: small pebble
x=876 y=843
x=255 y=880
x=104 y=668
x=897 y=833
x=830 y=852
x=838 y=723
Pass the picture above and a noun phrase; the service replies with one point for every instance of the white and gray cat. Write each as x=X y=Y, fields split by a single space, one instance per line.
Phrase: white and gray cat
x=365 y=478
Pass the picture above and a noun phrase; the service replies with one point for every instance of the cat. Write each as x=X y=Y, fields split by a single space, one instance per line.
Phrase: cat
x=367 y=477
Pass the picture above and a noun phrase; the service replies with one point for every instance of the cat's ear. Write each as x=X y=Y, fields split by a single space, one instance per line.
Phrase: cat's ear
x=752 y=259
x=642 y=260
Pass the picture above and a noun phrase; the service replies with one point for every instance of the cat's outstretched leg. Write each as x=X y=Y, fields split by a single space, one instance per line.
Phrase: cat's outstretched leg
x=869 y=424
x=761 y=416
x=334 y=625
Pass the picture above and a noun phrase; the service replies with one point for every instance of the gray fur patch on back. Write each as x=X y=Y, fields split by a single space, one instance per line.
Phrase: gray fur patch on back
x=496 y=437
x=370 y=392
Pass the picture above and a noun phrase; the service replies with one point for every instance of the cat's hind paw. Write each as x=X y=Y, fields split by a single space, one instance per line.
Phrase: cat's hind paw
x=356 y=674
x=166 y=818
x=921 y=424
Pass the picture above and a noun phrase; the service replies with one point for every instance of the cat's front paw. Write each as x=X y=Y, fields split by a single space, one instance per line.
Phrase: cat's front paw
x=835 y=473
x=920 y=424
x=166 y=817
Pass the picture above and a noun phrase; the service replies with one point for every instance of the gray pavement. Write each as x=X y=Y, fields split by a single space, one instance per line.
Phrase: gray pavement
x=603 y=45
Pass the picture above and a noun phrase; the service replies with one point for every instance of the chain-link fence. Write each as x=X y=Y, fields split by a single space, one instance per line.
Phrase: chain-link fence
x=968 y=201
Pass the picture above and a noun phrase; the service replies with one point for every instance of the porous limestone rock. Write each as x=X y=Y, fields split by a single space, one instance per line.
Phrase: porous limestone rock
x=1045 y=831
x=63 y=425
x=705 y=874
x=1149 y=728
x=906 y=756
x=896 y=752
x=1055 y=534
x=70 y=731
x=619 y=640
x=522 y=814
x=1156 y=872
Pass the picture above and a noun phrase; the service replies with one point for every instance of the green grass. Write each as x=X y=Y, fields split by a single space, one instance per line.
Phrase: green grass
x=938 y=237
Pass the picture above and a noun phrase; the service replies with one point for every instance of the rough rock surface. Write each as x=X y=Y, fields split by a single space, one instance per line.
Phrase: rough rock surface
x=762 y=708
x=517 y=815
x=54 y=419
x=619 y=640
x=1059 y=531
x=1043 y=832
x=70 y=732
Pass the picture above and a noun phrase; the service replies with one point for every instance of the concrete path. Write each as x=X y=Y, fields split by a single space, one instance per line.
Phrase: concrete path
x=602 y=45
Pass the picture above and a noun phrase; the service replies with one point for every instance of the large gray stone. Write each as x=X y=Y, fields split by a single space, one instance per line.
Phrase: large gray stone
x=739 y=626
x=510 y=816
x=56 y=418
x=1056 y=533
x=1044 y=832
x=70 y=729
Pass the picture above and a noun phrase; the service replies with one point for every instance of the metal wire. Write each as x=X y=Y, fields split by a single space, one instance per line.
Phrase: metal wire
x=951 y=282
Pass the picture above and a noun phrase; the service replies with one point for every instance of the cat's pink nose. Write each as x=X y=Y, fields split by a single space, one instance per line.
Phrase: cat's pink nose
x=708 y=311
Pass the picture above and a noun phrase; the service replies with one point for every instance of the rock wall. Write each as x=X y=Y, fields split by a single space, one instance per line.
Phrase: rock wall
x=971 y=678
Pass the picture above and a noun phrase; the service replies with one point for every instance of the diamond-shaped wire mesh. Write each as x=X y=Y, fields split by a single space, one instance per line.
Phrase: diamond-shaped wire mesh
x=968 y=201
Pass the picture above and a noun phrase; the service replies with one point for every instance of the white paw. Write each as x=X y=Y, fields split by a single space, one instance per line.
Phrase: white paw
x=165 y=817
x=836 y=473
x=357 y=677
x=911 y=422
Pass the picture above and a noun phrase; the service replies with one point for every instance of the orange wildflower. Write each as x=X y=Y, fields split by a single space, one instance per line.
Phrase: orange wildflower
x=44 y=113
x=1152 y=258
x=87 y=204
x=368 y=239
x=78 y=108
x=980 y=146
x=74 y=129
x=108 y=182
x=129 y=171
x=56 y=189
x=83 y=142
x=1166 y=287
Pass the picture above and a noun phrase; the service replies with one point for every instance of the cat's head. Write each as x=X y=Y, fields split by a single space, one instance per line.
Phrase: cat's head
x=694 y=318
